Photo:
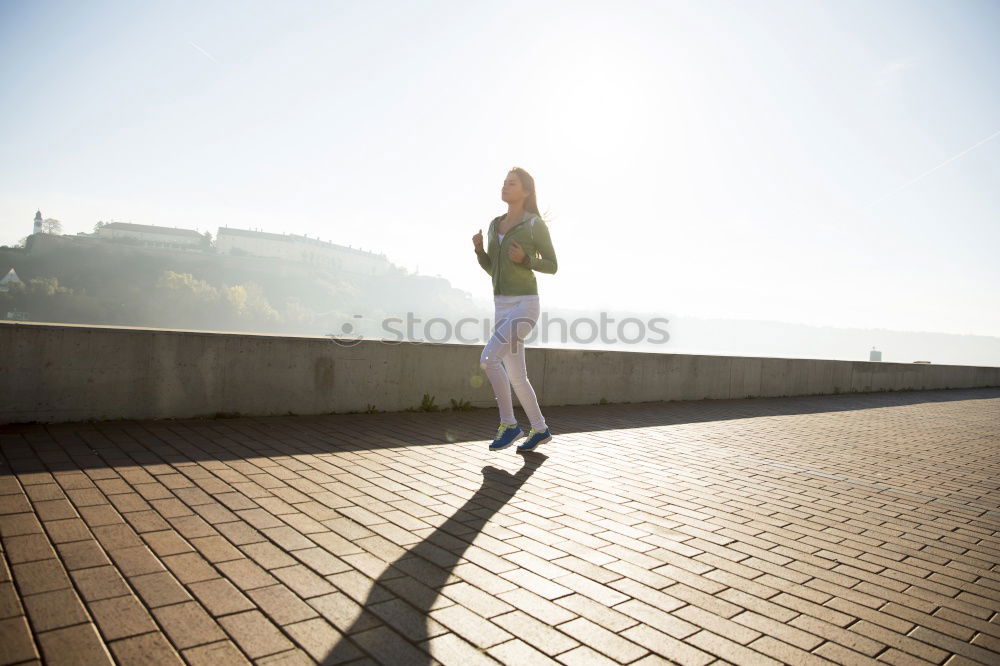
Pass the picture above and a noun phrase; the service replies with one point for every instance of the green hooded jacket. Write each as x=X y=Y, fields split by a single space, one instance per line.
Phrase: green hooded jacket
x=510 y=279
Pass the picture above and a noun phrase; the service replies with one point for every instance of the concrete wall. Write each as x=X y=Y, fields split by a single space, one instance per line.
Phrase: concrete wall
x=54 y=373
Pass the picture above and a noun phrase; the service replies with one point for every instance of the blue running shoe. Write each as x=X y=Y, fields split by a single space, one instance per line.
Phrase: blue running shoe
x=535 y=438
x=506 y=435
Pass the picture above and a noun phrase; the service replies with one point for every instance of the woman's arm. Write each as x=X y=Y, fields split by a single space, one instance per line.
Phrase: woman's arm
x=543 y=244
x=481 y=254
x=484 y=261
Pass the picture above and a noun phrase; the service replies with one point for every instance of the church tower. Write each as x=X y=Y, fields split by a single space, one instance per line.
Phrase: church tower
x=38 y=223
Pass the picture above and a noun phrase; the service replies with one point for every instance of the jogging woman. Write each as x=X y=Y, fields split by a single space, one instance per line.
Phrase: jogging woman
x=519 y=245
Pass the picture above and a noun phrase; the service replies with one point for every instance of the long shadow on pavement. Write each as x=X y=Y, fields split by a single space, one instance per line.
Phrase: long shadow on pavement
x=395 y=615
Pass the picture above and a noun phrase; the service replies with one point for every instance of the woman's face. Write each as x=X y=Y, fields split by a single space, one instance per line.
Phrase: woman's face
x=513 y=191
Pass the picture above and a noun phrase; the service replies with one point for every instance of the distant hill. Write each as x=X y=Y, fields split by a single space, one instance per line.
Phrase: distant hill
x=90 y=281
x=87 y=281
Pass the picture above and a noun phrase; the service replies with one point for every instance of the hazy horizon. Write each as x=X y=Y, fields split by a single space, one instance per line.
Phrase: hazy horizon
x=825 y=164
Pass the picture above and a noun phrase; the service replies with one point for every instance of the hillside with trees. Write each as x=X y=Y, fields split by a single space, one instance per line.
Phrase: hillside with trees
x=89 y=281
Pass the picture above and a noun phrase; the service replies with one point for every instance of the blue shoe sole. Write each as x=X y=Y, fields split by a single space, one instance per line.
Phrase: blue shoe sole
x=537 y=444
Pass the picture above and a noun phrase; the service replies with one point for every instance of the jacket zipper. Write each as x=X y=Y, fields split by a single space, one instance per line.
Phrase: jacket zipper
x=524 y=220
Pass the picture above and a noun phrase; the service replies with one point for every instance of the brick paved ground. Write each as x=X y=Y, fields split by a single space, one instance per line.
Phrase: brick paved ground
x=841 y=529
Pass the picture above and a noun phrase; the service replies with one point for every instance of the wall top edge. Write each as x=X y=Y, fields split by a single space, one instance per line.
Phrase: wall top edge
x=4 y=323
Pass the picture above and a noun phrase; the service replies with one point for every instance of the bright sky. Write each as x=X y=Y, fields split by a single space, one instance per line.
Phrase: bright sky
x=764 y=160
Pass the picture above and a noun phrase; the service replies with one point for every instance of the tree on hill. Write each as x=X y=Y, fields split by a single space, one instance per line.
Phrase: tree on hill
x=51 y=226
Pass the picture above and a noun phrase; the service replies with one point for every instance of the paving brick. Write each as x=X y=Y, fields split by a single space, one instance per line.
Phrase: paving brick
x=79 y=644
x=96 y=516
x=159 y=589
x=188 y=625
x=281 y=604
x=246 y=574
x=54 y=510
x=318 y=638
x=42 y=576
x=540 y=586
x=17 y=524
x=87 y=497
x=607 y=643
x=215 y=513
x=657 y=619
x=44 y=491
x=255 y=634
x=302 y=581
x=535 y=633
x=171 y=507
x=785 y=653
x=728 y=650
x=320 y=561
x=953 y=645
x=898 y=658
x=473 y=628
x=166 y=542
x=268 y=555
x=191 y=527
x=190 y=567
x=585 y=656
x=146 y=521
x=136 y=561
x=67 y=530
x=677 y=651
x=10 y=604
x=54 y=610
x=481 y=603
x=846 y=638
x=598 y=613
x=102 y=582
x=150 y=648
x=16 y=644
x=299 y=657
x=519 y=652
x=121 y=617
x=406 y=619
x=344 y=613
x=388 y=647
x=240 y=533
x=82 y=555
x=14 y=504
x=651 y=596
x=449 y=649
x=220 y=597
x=116 y=537
x=949 y=618
x=839 y=654
x=536 y=606
x=223 y=652
x=28 y=548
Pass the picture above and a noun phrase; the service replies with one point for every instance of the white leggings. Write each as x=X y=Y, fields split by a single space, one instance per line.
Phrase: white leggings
x=503 y=357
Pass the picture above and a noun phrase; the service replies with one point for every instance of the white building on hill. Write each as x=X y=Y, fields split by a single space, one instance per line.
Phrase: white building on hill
x=9 y=279
x=150 y=236
x=291 y=247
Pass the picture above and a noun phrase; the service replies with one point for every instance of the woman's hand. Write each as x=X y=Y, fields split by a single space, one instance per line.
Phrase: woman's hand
x=477 y=241
x=516 y=254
